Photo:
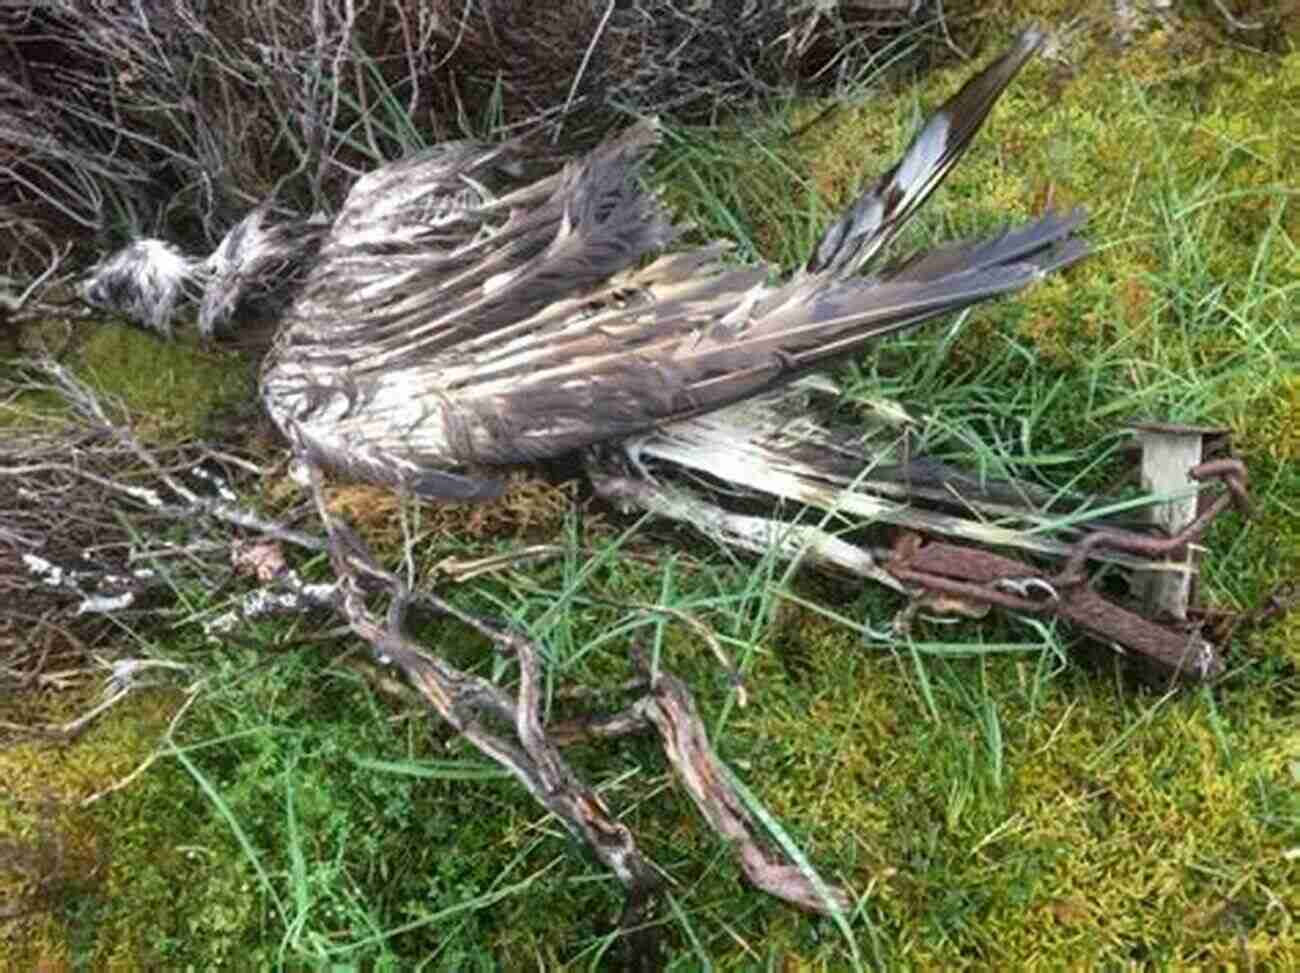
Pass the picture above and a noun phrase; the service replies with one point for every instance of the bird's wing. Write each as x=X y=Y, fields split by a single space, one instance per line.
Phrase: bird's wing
x=442 y=187
x=407 y=361
x=683 y=337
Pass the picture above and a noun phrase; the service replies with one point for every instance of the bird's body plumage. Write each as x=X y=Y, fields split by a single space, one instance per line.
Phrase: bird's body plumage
x=460 y=315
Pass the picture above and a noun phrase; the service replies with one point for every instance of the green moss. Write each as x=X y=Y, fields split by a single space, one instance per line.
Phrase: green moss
x=176 y=387
x=63 y=860
x=1103 y=823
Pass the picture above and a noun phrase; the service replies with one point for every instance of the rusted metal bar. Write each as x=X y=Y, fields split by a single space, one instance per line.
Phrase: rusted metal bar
x=998 y=580
x=993 y=578
x=1232 y=472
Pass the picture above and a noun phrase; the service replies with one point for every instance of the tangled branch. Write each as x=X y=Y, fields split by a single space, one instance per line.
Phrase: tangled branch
x=88 y=501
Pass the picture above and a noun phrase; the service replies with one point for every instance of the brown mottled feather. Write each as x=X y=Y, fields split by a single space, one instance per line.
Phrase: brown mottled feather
x=535 y=333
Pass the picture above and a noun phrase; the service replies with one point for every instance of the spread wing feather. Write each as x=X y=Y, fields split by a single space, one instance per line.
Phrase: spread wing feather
x=466 y=328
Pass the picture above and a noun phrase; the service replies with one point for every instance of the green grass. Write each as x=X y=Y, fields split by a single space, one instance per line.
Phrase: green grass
x=997 y=793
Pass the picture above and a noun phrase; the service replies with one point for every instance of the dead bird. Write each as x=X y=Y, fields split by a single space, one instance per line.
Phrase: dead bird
x=459 y=316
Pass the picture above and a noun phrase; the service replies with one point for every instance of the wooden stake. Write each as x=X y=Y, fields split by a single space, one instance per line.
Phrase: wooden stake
x=1169 y=452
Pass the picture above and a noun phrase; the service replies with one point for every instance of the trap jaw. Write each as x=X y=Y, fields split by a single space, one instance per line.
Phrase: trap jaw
x=943 y=555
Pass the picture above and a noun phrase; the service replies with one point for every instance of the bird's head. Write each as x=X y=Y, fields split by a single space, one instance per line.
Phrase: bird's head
x=144 y=282
x=255 y=270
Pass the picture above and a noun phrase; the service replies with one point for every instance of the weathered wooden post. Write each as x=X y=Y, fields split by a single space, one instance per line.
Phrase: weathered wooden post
x=1169 y=452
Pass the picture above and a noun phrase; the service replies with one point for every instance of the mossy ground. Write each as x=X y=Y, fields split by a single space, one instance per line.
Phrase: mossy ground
x=998 y=795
